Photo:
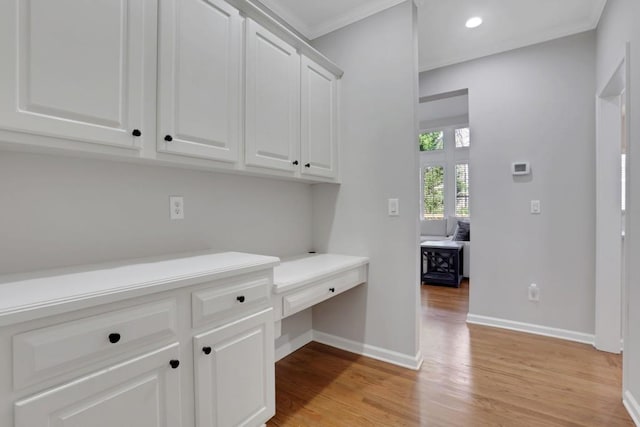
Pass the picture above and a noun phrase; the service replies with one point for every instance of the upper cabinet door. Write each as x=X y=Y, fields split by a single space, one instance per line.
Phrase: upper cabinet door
x=77 y=69
x=272 y=127
x=319 y=121
x=199 y=79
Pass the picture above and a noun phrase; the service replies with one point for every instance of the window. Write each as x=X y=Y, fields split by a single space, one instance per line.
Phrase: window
x=444 y=162
x=462 y=190
x=431 y=141
x=433 y=192
x=462 y=137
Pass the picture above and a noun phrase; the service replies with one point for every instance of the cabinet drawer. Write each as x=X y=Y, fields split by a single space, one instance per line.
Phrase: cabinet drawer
x=209 y=304
x=52 y=351
x=322 y=290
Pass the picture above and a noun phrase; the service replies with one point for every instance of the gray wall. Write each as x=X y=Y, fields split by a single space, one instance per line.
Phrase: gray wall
x=533 y=104
x=378 y=161
x=59 y=211
x=618 y=25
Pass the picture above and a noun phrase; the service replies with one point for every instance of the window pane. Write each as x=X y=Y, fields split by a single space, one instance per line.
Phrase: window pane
x=462 y=137
x=434 y=192
x=432 y=141
x=462 y=190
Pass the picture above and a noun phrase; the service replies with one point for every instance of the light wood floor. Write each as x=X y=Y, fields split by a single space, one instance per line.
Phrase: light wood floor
x=471 y=376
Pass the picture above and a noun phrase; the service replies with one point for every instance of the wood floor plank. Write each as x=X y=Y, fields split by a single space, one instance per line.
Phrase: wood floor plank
x=472 y=376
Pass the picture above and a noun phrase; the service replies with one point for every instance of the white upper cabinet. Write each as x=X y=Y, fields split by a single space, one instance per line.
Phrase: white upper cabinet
x=200 y=58
x=179 y=81
x=319 y=120
x=272 y=122
x=77 y=69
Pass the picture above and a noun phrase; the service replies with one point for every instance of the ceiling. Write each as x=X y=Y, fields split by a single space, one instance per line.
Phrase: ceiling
x=443 y=38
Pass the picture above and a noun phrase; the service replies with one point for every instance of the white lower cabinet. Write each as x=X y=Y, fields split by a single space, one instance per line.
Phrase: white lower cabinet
x=234 y=373
x=142 y=392
x=196 y=355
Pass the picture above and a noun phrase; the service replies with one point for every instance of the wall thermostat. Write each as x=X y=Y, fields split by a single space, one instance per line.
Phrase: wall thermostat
x=520 y=168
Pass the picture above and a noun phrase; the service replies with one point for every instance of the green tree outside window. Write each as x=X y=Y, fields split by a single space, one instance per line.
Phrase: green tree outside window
x=431 y=141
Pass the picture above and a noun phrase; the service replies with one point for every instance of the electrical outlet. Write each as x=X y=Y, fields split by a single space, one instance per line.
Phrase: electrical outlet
x=176 y=206
x=534 y=292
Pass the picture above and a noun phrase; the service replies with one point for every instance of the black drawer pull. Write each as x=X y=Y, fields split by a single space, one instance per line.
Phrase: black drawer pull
x=168 y=138
x=174 y=363
x=240 y=298
x=136 y=132
x=332 y=289
x=295 y=162
x=307 y=165
x=206 y=350
x=114 y=338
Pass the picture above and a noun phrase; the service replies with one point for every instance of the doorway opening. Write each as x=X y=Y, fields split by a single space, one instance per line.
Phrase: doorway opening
x=445 y=188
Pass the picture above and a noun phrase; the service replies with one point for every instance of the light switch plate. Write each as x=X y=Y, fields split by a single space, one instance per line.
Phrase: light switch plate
x=535 y=207
x=394 y=207
x=176 y=206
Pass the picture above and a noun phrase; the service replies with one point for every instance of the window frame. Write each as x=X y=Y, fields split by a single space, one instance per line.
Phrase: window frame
x=448 y=157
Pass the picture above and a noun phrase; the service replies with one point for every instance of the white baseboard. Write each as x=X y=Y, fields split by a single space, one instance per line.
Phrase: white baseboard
x=531 y=328
x=292 y=345
x=378 y=353
x=632 y=407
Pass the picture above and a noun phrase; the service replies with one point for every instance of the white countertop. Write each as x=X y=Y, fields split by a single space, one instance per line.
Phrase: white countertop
x=31 y=296
x=304 y=269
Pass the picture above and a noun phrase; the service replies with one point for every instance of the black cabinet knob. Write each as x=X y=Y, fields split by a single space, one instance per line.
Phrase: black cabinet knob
x=114 y=338
x=240 y=298
x=295 y=162
x=206 y=350
x=136 y=132
x=307 y=165
x=332 y=289
x=168 y=138
x=174 y=363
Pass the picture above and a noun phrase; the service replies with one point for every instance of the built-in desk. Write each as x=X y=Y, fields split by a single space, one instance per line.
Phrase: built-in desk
x=303 y=281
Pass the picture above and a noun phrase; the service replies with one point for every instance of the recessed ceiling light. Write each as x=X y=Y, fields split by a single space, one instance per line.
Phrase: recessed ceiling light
x=474 y=22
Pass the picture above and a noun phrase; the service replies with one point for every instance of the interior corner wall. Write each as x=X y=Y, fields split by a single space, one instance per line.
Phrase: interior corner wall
x=379 y=160
x=533 y=104
x=618 y=26
x=62 y=211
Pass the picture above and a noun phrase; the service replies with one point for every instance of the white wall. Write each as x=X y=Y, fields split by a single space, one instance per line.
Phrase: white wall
x=59 y=211
x=379 y=160
x=444 y=112
x=533 y=104
x=618 y=26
